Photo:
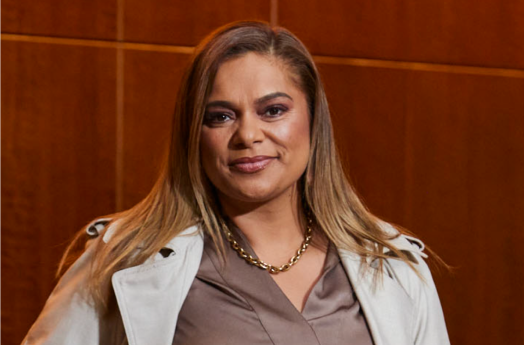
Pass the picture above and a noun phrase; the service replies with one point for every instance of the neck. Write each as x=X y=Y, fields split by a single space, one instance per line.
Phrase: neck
x=275 y=226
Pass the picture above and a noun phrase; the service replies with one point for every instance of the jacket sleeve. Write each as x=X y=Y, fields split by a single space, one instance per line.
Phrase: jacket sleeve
x=69 y=315
x=429 y=325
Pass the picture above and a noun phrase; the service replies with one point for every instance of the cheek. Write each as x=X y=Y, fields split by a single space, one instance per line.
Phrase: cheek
x=210 y=149
x=295 y=137
x=213 y=140
x=302 y=140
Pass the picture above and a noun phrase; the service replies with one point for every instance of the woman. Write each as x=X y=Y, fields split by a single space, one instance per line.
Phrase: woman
x=252 y=171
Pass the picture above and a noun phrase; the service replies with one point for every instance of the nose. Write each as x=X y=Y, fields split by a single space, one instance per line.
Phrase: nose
x=248 y=132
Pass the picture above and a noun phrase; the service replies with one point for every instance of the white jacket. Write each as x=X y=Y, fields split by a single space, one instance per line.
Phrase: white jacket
x=403 y=310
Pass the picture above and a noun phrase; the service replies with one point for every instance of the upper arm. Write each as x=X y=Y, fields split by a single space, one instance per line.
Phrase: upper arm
x=430 y=327
x=70 y=315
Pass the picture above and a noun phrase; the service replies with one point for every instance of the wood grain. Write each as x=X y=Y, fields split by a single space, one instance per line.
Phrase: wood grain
x=443 y=155
x=58 y=150
x=185 y=23
x=426 y=99
x=483 y=33
x=368 y=112
x=151 y=85
x=79 y=19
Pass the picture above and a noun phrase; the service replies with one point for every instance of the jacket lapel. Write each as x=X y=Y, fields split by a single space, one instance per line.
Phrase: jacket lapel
x=151 y=295
x=387 y=307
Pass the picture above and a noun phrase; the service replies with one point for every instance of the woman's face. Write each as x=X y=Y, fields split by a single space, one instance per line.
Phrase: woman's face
x=255 y=136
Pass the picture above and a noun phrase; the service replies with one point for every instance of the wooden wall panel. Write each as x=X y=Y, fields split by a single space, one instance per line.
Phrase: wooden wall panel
x=443 y=155
x=466 y=190
x=368 y=107
x=486 y=33
x=440 y=153
x=185 y=22
x=79 y=19
x=151 y=85
x=58 y=149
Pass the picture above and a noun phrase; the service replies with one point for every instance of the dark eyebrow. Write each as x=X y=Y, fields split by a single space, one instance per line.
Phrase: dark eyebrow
x=224 y=104
x=261 y=100
x=270 y=96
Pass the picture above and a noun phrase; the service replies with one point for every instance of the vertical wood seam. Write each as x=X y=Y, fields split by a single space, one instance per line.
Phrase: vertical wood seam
x=119 y=154
x=408 y=165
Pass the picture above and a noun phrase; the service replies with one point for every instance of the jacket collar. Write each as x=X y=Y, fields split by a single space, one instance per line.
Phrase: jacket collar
x=387 y=307
x=151 y=295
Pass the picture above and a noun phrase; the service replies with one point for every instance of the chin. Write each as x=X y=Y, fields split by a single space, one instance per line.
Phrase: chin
x=253 y=196
x=252 y=193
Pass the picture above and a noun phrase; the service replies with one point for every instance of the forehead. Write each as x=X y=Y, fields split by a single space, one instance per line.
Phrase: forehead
x=252 y=75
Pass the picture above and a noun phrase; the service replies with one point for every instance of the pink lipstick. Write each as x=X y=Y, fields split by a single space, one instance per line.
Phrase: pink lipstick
x=251 y=165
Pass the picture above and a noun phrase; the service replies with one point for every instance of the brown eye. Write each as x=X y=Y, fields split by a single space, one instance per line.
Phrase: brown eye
x=216 y=118
x=274 y=111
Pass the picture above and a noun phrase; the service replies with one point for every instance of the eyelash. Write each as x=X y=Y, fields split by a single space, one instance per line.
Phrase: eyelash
x=281 y=110
x=213 y=117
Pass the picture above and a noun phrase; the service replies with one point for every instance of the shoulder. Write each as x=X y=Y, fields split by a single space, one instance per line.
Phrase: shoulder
x=105 y=229
x=418 y=284
x=102 y=228
x=415 y=279
x=411 y=278
x=70 y=304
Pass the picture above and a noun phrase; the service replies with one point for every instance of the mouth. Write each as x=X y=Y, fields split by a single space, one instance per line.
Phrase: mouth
x=250 y=165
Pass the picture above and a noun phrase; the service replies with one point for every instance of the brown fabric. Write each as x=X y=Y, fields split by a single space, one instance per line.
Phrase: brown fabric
x=242 y=304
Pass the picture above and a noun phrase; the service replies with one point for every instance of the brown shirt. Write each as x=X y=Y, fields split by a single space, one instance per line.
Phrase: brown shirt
x=242 y=304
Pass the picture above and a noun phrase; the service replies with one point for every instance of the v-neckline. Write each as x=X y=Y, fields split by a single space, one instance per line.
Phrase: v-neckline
x=330 y=260
x=280 y=319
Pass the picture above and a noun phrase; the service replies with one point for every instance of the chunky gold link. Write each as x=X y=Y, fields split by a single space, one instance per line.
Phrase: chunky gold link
x=265 y=266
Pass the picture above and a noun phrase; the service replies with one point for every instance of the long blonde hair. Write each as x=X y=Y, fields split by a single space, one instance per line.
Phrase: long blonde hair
x=182 y=196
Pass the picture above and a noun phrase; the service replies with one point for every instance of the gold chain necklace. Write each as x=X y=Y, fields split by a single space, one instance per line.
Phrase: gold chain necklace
x=265 y=266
